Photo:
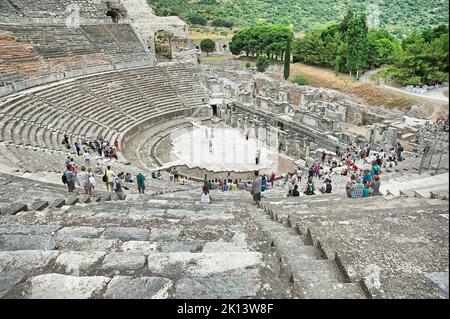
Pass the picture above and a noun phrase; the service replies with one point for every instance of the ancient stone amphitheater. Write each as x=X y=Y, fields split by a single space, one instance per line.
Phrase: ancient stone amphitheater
x=78 y=67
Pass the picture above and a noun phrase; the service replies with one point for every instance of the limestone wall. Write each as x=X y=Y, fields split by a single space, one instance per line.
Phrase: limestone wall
x=146 y=24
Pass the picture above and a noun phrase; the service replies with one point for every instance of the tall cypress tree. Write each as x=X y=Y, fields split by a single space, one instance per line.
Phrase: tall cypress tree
x=287 y=60
x=358 y=43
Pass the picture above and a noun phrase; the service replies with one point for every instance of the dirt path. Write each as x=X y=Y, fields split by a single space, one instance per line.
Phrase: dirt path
x=368 y=92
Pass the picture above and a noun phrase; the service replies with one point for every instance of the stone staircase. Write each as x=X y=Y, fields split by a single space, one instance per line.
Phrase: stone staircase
x=311 y=275
x=152 y=249
x=372 y=241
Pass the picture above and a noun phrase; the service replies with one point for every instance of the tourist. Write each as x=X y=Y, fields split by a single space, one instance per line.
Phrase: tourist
x=309 y=188
x=91 y=178
x=77 y=148
x=272 y=178
x=376 y=186
x=234 y=186
x=326 y=188
x=69 y=178
x=399 y=152
x=118 y=185
x=229 y=177
x=128 y=178
x=263 y=183
x=366 y=190
x=357 y=189
x=367 y=176
x=349 y=185
x=256 y=188
x=241 y=185
x=85 y=180
x=225 y=186
x=108 y=179
x=87 y=158
x=116 y=144
x=210 y=146
x=206 y=196
x=376 y=170
x=295 y=192
x=299 y=173
x=289 y=187
x=140 y=179
x=187 y=184
x=175 y=175
x=311 y=172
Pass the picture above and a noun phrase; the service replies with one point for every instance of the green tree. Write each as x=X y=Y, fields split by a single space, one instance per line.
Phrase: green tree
x=218 y=22
x=257 y=40
x=287 y=61
x=358 y=44
x=262 y=63
x=382 y=48
x=301 y=80
x=197 y=19
x=208 y=46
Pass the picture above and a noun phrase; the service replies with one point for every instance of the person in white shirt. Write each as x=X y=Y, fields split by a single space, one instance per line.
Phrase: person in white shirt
x=87 y=158
x=206 y=197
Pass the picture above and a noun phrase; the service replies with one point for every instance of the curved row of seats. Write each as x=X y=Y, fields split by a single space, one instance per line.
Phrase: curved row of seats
x=107 y=105
x=31 y=51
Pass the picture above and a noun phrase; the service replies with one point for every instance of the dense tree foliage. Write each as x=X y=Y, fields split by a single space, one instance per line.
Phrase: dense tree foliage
x=262 y=63
x=218 y=22
x=357 y=43
x=257 y=40
x=398 y=17
x=208 y=46
x=422 y=59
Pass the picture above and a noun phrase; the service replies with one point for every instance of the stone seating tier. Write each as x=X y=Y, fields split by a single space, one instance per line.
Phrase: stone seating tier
x=32 y=51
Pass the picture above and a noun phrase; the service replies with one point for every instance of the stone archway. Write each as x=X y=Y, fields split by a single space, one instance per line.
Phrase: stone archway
x=163 y=45
x=114 y=15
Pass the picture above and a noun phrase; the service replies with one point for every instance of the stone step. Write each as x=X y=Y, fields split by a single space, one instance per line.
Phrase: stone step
x=332 y=291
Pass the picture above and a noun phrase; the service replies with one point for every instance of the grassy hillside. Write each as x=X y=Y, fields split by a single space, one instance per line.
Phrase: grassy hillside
x=398 y=16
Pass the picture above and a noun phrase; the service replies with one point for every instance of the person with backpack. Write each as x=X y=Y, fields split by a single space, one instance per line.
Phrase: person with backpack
x=85 y=180
x=108 y=179
x=310 y=188
x=140 y=178
x=68 y=178
x=118 y=186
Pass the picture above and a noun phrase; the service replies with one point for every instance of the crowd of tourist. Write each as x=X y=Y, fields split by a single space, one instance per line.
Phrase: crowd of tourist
x=93 y=144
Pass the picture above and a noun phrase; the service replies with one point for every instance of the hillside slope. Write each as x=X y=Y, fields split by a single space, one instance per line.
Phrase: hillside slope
x=398 y=16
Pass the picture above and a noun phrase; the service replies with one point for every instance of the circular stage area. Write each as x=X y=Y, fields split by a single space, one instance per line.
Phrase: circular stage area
x=216 y=149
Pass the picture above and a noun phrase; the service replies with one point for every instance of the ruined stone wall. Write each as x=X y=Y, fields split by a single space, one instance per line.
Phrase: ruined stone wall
x=146 y=24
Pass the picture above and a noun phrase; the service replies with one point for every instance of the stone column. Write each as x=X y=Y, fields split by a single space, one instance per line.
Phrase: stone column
x=252 y=126
x=223 y=113
x=245 y=124
x=233 y=119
